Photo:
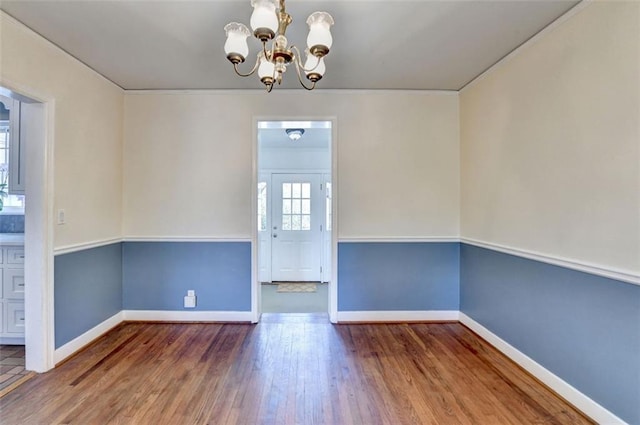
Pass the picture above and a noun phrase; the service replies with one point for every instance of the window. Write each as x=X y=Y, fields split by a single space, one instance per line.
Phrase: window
x=262 y=206
x=296 y=206
x=328 y=206
x=11 y=203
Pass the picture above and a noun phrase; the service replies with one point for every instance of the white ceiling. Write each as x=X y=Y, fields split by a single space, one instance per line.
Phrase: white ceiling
x=178 y=44
x=276 y=138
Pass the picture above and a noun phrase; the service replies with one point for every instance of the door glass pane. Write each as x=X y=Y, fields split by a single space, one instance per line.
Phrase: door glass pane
x=295 y=190
x=286 y=206
x=295 y=222
x=295 y=206
x=286 y=222
x=306 y=190
x=306 y=222
x=306 y=206
x=286 y=190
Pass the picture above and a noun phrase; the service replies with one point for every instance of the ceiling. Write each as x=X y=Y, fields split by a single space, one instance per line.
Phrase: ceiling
x=178 y=44
x=273 y=135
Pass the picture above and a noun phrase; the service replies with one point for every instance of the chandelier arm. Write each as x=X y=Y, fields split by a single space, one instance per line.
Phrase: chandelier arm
x=313 y=84
x=299 y=58
x=265 y=52
x=255 y=67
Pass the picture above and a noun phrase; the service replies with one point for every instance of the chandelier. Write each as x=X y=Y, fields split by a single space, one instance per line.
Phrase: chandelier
x=270 y=23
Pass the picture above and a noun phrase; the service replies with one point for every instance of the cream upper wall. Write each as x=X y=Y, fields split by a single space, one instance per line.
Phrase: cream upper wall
x=87 y=136
x=188 y=161
x=550 y=143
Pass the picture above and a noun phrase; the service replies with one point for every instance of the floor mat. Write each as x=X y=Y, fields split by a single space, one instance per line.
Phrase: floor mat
x=297 y=287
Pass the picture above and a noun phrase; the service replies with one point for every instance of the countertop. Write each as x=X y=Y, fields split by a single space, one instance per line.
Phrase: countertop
x=11 y=239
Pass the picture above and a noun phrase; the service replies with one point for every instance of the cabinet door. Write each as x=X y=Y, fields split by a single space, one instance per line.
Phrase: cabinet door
x=15 y=317
x=15 y=255
x=13 y=284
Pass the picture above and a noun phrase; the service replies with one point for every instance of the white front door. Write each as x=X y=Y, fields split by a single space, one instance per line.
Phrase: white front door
x=296 y=227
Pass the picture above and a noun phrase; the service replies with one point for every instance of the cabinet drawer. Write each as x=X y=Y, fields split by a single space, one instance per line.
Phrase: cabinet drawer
x=15 y=255
x=13 y=283
x=15 y=317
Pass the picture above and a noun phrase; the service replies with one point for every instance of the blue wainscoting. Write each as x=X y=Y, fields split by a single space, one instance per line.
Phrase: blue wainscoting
x=157 y=275
x=583 y=328
x=400 y=276
x=88 y=290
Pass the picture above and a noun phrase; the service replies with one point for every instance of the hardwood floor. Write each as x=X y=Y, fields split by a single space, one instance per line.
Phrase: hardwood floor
x=286 y=370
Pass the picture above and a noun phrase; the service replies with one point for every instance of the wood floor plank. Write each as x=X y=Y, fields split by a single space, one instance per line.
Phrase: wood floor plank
x=287 y=370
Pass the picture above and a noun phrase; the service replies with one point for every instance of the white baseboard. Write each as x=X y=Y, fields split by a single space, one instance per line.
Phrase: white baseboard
x=398 y=316
x=11 y=340
x=187 y=316
x=565 y=390
x=86 y=338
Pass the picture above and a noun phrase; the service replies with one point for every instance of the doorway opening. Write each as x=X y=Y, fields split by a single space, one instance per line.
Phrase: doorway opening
x=26 y=170
x=294 y=216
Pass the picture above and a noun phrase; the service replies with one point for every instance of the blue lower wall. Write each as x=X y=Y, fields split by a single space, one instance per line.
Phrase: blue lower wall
x=581 y=327
x=398 y=276
x=87 y=290
x=157 y=275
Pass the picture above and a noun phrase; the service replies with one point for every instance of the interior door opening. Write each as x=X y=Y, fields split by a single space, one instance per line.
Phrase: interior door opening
x=25 y=250
x=294 y=213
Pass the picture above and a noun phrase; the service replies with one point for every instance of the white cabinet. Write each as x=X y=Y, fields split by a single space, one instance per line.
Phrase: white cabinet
x=13 y=283
x=15 y=318
x=15 y=255
x=12 y=319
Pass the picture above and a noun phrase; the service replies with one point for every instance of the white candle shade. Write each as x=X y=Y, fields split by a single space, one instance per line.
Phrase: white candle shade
x=266 y=68
x=313 y=65
x=319 y=30
x=236 y=39
x=264 y=15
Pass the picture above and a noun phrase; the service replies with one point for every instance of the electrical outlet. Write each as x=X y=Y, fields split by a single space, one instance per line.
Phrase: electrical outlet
x=190 y=299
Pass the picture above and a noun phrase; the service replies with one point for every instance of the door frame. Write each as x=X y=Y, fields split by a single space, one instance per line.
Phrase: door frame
x=266 y=174
x=39 y=235
x=256 y=290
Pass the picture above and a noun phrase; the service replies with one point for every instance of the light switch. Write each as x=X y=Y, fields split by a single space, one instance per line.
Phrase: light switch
x=61 y=217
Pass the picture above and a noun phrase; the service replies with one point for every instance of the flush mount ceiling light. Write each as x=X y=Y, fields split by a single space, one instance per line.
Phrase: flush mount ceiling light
x=270 y=22
x=295 y=133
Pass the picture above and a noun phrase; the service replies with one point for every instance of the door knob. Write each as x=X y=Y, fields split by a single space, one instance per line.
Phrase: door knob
x=275 y=235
